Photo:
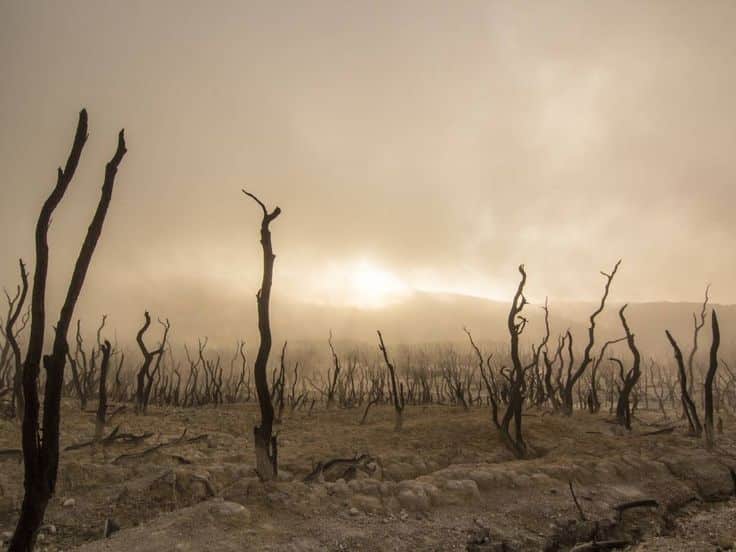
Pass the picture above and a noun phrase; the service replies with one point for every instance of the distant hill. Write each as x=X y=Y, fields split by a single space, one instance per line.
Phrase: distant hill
x=420 y=318
x=426 y=317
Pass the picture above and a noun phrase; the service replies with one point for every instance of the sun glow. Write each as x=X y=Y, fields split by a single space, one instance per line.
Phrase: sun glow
x=363 y=284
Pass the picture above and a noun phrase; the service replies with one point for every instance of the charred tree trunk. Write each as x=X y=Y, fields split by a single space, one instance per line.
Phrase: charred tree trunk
x=396 y=391
x=516 y=323
x=265 y=443
x=712 y=367
x=488 y=380
x=573 y=377
x=41 y=451
x=144 y=377
x=102 y=400
x=160 y=354
x=698 y=324
x=688 y=406
x=16 y=307
x=333 y=378
x=623 y=408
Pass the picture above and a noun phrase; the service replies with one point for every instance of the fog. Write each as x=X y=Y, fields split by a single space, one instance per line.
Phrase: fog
x=414 y=147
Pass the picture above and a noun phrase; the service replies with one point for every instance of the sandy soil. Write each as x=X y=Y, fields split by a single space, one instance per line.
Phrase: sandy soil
x=444 y=483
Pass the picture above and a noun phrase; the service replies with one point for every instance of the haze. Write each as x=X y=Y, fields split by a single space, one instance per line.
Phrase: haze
x=413 y=147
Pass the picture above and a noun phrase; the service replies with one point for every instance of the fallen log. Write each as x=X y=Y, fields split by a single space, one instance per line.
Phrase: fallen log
x=644 y=503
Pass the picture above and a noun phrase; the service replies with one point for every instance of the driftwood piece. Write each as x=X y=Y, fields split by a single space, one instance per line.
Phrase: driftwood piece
x=577 y=504
x=644 y=503
x=662 y=431
x=347 y=467
x=179 y=440
x=115 y=435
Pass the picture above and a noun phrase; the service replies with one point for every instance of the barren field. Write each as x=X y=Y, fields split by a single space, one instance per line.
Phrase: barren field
x=445 y=482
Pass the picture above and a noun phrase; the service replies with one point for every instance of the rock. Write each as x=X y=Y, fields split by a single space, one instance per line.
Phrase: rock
x=415 y=499
x=354 y=511
x=489 y=479
x=387 y=488
x=403 y=516
x=365 y=486
x=521 y=480
x=368 y=504
x=69 y=503
x=711 y=478
x=50 y=529
x=391 y=504
x=399 y=471
x=461 y=490
x=340 y=489
x=224 y=508
x=420 y=465
x=188 y=483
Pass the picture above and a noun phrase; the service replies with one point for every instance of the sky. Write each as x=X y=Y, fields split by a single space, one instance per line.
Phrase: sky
x=412 y=146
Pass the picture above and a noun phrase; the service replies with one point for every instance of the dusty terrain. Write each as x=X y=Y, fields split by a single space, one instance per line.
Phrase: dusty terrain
x=444 y=483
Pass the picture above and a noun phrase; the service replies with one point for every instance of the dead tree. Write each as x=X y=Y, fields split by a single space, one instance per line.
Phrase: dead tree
x=332 y=377
x=573 y=377
x=375 y=395
x=41 y=451
x=516 y=380
x=688 y=406
x=82 y=370
x=489 y=380
x=623 y=408
x=397 y=392
x=159 y=356
x=106 y=349
x=552 y=388
x=241 y=382
x=278 y=391
x=594 y=403
x=698 y=324
x=144 y=378
x=190 y=387
x=15 y=306
x=265 y=443
x=712 y=367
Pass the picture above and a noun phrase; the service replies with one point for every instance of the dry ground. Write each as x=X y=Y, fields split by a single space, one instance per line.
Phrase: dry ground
x=444 y=483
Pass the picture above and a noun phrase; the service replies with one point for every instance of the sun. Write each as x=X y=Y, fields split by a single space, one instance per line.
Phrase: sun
x=360 y=283
x=373 y=286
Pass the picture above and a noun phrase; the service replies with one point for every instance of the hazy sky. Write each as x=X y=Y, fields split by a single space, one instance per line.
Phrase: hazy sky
x=411 y=145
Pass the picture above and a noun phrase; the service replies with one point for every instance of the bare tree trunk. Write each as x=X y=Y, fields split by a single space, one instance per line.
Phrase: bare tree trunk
x=516 y=378
x=623 y=409
x=265 y=443
x=332 y=382
x=573 y=377
x=102 y=400
x=691 y=412
x=144 y=378
x=397 y=392
x=698 y=323
x=713 y=366
x=41 y=451
x=15 y=310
